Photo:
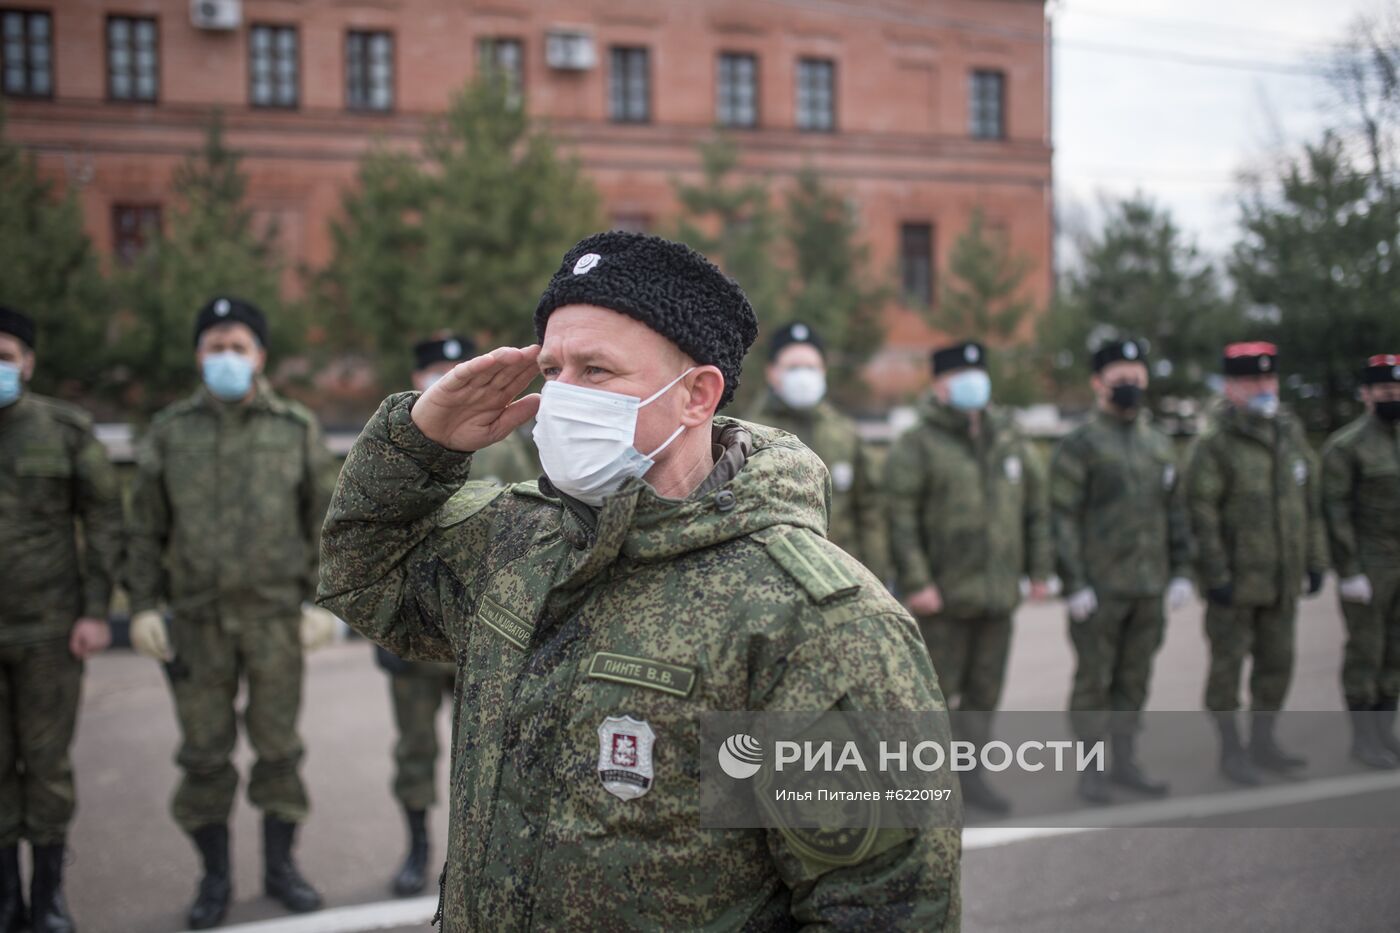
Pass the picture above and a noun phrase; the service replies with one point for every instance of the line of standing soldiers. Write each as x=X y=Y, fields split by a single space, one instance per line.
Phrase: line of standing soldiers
x=221 y=563
x=975 y=523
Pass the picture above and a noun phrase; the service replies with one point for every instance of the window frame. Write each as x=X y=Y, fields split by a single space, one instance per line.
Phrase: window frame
x=367 y=107
x=973 y=104
x=720 y=98
x=644 y=52
x=907 y=296
x=132 y=19
x=138 y=207
x=800 y=85
x=27 y=13
x=485 y=67
x=275 y=27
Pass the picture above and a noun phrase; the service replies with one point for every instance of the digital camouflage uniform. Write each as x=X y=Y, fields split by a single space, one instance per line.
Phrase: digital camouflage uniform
x=1253 y=493
x=726 y=600
x=1120 y=527
x=969 y=515
x=417 y=688
x=1361 y=500
x=60 y=542
x=226 y=513
x=857 y=524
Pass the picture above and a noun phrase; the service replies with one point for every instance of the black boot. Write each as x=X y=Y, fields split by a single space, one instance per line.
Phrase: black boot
x=1366 y=745
x=281 y=880
x=12 y=918
x=1093 y=787
x=1265 y=750
x=216 y=887
x=1126 y=771
x=1234 y=763
x=977 y=792
x=1385 y=725
x=412 y=876
x=48 y=909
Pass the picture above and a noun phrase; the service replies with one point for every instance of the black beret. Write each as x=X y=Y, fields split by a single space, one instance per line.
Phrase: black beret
x=230 y=310
x=959 y=356
x=1384 y=367
x=1253 y=358
x=789 y=334
x=1119 y=351
x=449 y=349
x=668 y=287
x=17 y=324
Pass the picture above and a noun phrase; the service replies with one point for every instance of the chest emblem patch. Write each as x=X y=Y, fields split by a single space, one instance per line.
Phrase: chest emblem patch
x=843 y=476
x=1013 y=469
x=624 y=756
x=1300 y=472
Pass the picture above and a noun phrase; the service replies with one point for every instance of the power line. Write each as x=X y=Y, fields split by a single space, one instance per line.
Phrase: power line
x=1193 y=58
x=1235 y=32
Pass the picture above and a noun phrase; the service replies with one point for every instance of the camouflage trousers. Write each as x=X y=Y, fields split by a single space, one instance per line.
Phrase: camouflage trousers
x=417 y=697
x=210 y=662
x=1114 y=648
x=1371 y=664
x=969 y=656
x=40 y=686
x=1264 y=634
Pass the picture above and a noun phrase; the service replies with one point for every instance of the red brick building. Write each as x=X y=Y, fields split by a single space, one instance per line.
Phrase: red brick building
x=919 y=110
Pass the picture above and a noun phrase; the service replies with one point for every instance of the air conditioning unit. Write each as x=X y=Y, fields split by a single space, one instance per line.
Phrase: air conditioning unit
x=221 y=15
x=569 y=51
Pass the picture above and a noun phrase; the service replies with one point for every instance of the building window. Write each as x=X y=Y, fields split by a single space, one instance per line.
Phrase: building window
x=369 y=71
x=916 y=264
x=736 y=97
x=987 y=108
x=27 y=54
x=274 y=66
x=133 y=58
x=816 y=94
x=503 y=60
x=134 y=227
x=629 y=91
x=631 y=222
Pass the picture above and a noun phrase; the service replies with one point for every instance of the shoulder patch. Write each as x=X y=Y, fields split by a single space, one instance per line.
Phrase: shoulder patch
x=64 y=412
x=466 y=502
x=805 y=558
x=530 y=490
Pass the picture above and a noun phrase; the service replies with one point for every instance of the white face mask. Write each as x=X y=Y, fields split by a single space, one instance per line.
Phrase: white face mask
x=585 y=438
x=802 y=386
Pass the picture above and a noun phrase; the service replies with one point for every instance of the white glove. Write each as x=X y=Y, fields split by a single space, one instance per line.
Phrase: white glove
x=150 y=637
x=1356 y=589
x=1082 y=604
x=1179 y=592
x=317 y=627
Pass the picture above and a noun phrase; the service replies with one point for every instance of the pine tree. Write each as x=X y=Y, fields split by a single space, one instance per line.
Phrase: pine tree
x=52 y=274
x=832 y=287
x=1319 y=262
x=213 y=246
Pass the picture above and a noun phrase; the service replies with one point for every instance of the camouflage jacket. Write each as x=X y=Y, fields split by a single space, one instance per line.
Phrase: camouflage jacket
x=561 y=618
x=857 y=522
x=1253 y=492
x=968 y=514
x=56 y=489
x=226 y=508
x=1117 y=509
x=503 y=463
x=1361 y=497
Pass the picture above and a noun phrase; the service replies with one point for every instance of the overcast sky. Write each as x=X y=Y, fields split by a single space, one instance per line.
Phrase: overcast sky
x=1176 y=97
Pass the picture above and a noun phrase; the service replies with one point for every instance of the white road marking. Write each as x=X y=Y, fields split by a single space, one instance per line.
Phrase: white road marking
x=1160 y=812
x=381 y=915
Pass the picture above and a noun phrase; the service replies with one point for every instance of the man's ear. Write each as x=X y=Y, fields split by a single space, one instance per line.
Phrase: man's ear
x=260 y=360
x=26 y=366
x=706 y=389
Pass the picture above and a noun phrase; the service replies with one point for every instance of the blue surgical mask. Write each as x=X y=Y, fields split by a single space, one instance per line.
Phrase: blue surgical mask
x=1264 y=404
x=10 y=384
x=228 y=375
x=970 y=391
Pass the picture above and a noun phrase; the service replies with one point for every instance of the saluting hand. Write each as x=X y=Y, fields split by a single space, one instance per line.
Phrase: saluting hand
x=475 y=404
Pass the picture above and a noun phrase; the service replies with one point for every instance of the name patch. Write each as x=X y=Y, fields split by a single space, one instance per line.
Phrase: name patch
x=642 y=672
x=505 y=623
